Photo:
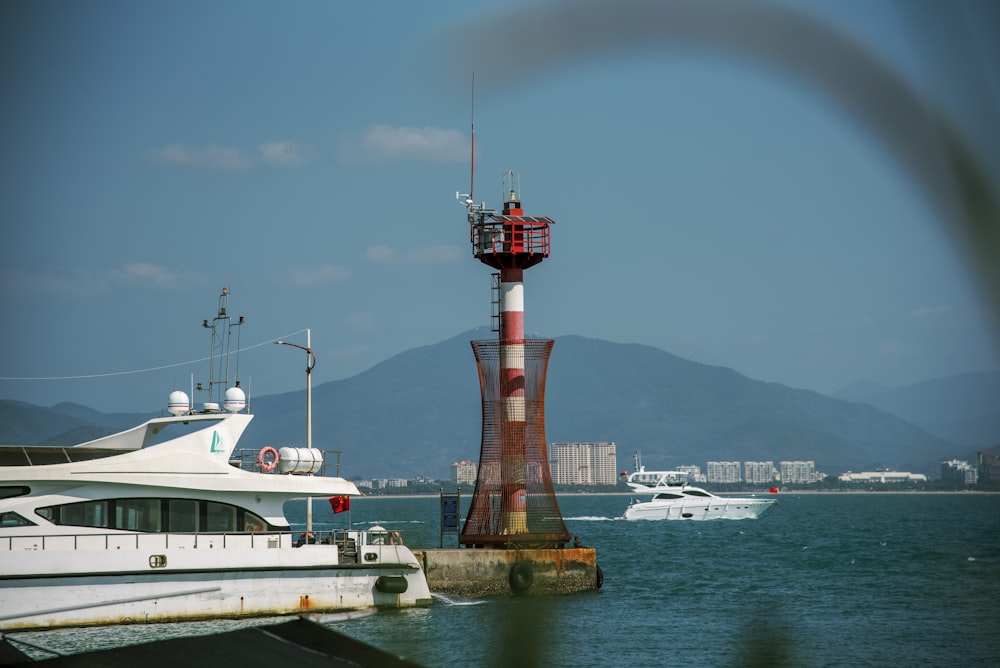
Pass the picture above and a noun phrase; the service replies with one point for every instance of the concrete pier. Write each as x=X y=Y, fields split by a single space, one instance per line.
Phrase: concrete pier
x=478 y=573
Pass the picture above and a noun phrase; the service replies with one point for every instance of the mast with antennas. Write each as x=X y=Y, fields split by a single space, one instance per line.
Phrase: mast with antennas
x=234 y=399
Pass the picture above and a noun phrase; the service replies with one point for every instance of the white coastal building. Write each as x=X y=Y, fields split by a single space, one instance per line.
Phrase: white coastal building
x=882 y=477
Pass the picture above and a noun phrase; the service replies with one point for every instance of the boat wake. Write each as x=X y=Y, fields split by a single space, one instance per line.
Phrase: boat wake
x=447 y=600
x=592 y=518
x=333 y=617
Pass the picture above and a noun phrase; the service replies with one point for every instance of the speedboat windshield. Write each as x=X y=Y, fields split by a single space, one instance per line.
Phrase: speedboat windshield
x=659 y=478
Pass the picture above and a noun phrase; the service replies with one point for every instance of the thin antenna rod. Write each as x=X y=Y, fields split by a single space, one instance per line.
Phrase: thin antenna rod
x=472 y=177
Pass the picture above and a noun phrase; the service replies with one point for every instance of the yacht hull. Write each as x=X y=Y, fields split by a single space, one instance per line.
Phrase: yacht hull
x=43 y=589
x=716 y=509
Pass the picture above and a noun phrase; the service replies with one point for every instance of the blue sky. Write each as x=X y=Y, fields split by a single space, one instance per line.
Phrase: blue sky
x=711 y=200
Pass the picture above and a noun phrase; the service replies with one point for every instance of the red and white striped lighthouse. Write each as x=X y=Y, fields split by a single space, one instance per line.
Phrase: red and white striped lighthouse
x=514 y=503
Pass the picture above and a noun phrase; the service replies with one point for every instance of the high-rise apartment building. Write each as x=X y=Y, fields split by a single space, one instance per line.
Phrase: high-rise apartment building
x=959 y=472
x=583 y=463
x=798 y=472
x=759 y=472
x=463 y=472
x=724 y=472
x=989 y=467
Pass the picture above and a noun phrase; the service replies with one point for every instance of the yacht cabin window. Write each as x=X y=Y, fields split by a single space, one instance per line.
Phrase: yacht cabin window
x=183 y=515
x=12 y=519
x=157 y=515
x=220 y=517
x=138 y=514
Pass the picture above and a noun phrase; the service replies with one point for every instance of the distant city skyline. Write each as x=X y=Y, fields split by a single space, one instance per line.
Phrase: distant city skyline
x=763 y=472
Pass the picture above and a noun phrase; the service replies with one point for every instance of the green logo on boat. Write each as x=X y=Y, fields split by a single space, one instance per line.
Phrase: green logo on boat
x=217 y=442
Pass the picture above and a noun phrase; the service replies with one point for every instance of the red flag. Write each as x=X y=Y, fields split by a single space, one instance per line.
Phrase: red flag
x=773 y=490
x=340 y=503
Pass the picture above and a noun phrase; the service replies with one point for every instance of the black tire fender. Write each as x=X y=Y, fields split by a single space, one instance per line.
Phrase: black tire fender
x=391 y=584
x=521 y=577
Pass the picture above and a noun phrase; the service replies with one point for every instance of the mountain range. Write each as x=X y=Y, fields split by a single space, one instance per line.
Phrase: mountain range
x=417 y=412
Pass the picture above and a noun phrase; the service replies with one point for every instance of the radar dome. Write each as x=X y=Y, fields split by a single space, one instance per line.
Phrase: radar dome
x=178 y=403
x=235 y=400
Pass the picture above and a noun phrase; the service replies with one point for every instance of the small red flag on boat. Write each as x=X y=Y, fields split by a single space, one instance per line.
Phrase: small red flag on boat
x=340 y=503
x=773 y=490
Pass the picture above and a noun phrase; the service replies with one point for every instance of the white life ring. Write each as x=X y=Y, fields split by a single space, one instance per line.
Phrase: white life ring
x=267 y=467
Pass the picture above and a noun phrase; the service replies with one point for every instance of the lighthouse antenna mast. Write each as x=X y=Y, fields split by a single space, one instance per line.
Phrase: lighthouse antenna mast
x=472 y=162
x=468 y=200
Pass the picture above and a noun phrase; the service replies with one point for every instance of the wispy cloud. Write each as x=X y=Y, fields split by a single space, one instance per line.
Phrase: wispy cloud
x=74 y=282
x=229 y=158
x=308 y=276
x=144 y=273
x=149 y=275
x=382 y=255
x=386 y=143
x=926 y=311
x=206 y=157
x=283 y=154
x=443 y=254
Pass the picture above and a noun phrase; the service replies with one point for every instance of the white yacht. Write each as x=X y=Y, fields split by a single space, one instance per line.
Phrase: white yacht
x=674 y=498
x=167 y=521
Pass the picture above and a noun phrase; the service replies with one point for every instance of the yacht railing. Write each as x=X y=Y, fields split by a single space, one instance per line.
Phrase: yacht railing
x=148 y=541
x=262 y=540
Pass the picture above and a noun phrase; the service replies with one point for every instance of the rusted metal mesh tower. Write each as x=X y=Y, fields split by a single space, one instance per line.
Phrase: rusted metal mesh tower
x=514 y=504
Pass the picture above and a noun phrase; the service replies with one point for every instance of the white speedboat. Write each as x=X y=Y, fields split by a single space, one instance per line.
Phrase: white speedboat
x=165 y=521
x=673 y=498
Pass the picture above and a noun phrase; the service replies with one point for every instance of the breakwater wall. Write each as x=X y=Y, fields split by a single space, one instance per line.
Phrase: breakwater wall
x=478 y=573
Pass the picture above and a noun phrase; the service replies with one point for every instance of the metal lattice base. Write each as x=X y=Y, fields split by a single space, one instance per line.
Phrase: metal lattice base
x=514 y=504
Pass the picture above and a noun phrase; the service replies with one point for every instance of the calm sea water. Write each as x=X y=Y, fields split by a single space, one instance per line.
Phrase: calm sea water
x=818 y=580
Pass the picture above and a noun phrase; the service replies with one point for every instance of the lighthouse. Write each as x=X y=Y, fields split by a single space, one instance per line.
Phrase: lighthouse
x=513 y=516
x=514 y=504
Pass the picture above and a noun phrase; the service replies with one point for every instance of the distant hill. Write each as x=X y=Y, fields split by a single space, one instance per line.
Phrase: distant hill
x=964 y=408
x=862 y=390
x=417 y=412
x=26 y=424
x=63 y=424
x=420 y=410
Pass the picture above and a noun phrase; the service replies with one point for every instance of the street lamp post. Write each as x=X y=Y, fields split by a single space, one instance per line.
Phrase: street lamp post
x=310 y=363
